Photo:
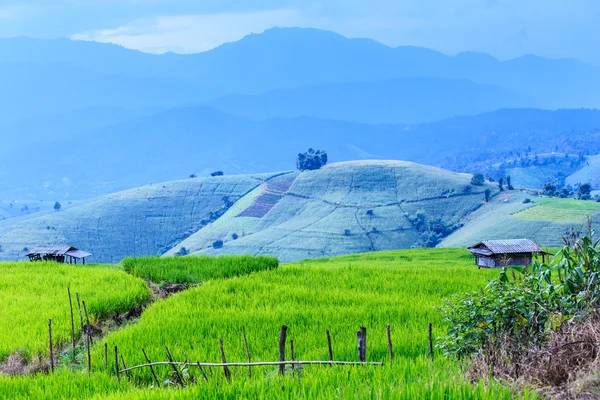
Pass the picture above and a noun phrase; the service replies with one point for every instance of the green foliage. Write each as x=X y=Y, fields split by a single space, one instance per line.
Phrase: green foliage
x=217 y=244
x=32 y=293
x=477 y=179
x=560 y=210
x=311 y=160
x=525 y=304
x=584 y=192
x=196 y=269
x=57 y=206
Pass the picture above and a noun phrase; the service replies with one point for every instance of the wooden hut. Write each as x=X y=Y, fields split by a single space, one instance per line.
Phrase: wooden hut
x=498 y=253
x=61 y=254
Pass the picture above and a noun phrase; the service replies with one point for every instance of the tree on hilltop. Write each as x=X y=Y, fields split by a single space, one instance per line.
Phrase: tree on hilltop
x=57 y=206
x=311 y=160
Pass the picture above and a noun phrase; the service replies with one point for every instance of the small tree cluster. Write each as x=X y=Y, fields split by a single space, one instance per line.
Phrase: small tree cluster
x=311 y=160
x=477 y=179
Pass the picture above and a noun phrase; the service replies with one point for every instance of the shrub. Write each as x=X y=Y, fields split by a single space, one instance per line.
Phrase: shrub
x=217 y=244
x=584 y=192
x=347 y=232
x=527 y=201
x=477 y=179
x=521 y=308
x=182 y=252
x=234 y=236
x=217 y=173
x=370 y=213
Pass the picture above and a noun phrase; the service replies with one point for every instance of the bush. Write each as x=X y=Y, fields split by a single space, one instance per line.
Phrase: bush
x=527 y=201
x=217 y=244
x=234 y=236
x=182 y=252
x=524 y=305
x=477 y=180
x=196 y=269
x=217 y=173
x=347 y=232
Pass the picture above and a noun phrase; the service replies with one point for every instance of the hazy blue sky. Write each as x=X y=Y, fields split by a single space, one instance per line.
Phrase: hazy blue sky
x=504 y=28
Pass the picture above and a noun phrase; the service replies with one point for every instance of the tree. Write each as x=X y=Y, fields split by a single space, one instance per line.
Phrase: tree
x=488 y=193
x=192 y=176
x=234 y=236
x=585 y=192
x=217 y=244
x=311 y=160
x=57 y=206
x=182 y=252
x=501 y=184
x=549 y=189
x=477 y=179
x=217 y=173
x=509 y=185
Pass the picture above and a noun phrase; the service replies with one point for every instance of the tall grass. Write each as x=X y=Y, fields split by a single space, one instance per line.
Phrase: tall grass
x=196 y=269
x=32 y=293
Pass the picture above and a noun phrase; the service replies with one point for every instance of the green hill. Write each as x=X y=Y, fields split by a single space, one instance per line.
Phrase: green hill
x=544 y=220
x=343 y=208
x=147 y=220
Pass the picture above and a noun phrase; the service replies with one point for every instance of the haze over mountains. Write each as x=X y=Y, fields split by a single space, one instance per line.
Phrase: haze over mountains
x=81 y=119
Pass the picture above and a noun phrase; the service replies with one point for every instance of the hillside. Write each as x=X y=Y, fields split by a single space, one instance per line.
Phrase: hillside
x=342 y=208
x=507 y=217
x=142 y=221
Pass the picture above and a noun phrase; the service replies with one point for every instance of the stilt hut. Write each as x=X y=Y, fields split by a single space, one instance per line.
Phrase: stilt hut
x=500 y=253
x=61 y=254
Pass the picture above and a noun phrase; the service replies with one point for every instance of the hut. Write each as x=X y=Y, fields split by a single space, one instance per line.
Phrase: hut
x=61 y=254
x=498 y=253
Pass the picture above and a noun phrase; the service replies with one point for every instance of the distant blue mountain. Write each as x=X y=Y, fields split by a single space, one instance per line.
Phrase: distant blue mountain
x=176 y=143
x=403 y=100
x=284 y=58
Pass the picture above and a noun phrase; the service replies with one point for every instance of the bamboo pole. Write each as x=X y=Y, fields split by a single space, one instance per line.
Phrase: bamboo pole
x=282 y=337
x=175 y=370
x=80 y=318
x=50 y=344
x=430 y=341
x=125 y=367
x=247 y=352
x=151 y=369
x=202 y=371
x=329 y=348
x=117 y=363
x=105 y=357
x=256 y=364
x=389 y=338
x=292 y=356
x=225 y=367
x=72 y=321
x=87 y=321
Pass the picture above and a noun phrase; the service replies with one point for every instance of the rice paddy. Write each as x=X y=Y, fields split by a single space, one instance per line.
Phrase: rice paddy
x=560 y=210
x=32 y=293
x=340 y=294
x=196 y=269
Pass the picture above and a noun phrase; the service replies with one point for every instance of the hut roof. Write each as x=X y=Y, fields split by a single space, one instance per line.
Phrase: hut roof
x=58 y=251
x=510 y=246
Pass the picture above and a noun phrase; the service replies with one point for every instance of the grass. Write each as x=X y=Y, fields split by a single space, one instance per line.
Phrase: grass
x=32 y=293
x=560 y=210
x=196 y=269
x=401 y=288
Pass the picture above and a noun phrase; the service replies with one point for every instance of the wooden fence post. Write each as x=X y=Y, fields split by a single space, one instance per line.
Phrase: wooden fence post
x=175 y=370
x=125 y=367
x=72 y=321
x=389 y=338
x=80 y=318
x=361 y=336
x=247 y=352
x=430 y=341
x=151 y=369
x=105 y=357
x=329 y=348
x=225 y=368
x=117 y=363
x=87 y=321
x=282 y=338
x=50 y=344
x=202 y=371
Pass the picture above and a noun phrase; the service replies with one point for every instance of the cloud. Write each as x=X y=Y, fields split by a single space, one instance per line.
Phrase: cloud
x=192 y=33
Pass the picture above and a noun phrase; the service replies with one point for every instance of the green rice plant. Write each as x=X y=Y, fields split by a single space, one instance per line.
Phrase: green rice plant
x=560 y=210
x=32 y=293
x=196 y=269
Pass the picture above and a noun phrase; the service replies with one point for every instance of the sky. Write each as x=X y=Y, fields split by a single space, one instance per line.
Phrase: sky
x=502 y=28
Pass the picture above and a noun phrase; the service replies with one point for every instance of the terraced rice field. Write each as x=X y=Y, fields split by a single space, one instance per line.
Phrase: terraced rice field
x=340 y=294
x=560 y=210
